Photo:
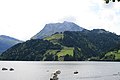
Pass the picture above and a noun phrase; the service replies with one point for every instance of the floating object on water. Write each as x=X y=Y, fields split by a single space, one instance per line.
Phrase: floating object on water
x=51 y=79
x=76 y=72
x=54 y=78
x=58 y=71
x=54 y=75
x=11 y=69
x=4 y=69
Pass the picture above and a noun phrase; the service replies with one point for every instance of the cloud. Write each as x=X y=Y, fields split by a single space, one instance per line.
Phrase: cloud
x=69 y=19
x=23 y=19
x=105 y=15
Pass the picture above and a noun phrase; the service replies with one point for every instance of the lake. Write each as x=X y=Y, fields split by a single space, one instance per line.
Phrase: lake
x=38 y=70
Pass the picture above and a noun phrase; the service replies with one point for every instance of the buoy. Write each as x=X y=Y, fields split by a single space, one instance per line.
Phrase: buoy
x=11 y=69
x=4 y=69
x=76 y=72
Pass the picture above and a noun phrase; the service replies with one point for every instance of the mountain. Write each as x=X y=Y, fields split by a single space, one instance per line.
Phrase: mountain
x=52 y=28
x=66 y=46
x=7 y=42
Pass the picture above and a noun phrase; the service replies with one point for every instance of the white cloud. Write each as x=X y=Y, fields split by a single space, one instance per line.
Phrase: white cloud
x=24 y=18
x=68 y=18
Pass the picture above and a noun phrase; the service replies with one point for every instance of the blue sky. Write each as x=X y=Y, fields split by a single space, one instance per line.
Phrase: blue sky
x=22 y=19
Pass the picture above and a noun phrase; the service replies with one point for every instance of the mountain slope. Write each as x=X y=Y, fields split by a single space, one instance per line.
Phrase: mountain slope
x=102 y=39
x=52 y=28
x=70 y=45
x=112 y=56
x=7 y=42
x=29 y=50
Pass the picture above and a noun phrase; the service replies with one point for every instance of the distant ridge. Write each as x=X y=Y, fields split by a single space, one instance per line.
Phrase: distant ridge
x=52 y=28
x=7 y=42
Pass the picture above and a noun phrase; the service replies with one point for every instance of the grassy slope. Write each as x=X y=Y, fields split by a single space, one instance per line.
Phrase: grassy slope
x=115 y=53
x=54 y=38
x=62 y=52
x=66 y=50
x=52 y=51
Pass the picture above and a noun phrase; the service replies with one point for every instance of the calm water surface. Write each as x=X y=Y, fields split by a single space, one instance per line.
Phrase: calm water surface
x=42 y=70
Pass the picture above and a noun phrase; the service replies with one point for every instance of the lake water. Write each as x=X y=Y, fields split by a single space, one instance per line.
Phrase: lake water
x=42 y=70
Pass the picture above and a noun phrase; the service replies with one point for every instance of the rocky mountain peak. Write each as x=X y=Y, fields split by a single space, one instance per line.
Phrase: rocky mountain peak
x=52 y=28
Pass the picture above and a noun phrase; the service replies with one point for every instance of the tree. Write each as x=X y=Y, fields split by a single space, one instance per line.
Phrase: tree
x=77 y=54
x=107 y=1
x=49 y=57
x=68 y=57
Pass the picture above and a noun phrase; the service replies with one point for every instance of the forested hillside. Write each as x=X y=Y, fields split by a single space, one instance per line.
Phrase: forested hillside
x=66 y=46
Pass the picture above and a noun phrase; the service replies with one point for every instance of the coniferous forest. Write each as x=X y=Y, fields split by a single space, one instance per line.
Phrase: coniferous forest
x=96 y=45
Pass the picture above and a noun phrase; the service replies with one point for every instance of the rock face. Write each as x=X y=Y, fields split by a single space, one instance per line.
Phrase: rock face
x=52 y=28
x=7 y=42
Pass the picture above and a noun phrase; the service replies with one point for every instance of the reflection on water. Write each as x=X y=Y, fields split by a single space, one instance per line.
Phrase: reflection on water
x=43 y=70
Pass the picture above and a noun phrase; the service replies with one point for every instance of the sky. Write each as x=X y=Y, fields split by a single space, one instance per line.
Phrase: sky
x=22 y=19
